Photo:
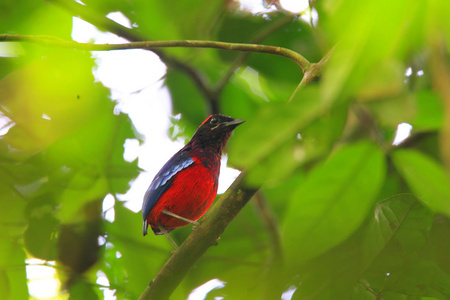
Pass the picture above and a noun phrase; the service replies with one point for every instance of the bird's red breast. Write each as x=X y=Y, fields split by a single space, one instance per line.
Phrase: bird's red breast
x=192 y=193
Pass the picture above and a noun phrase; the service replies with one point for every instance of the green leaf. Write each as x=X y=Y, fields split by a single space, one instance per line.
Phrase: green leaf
x=425 y=177
x=40 y=237
x=4 y=285
x=333 y=274
x=364 y=43
x=83 y=290
x=440 y=243
x=423 y=278
x=400 y=219
x=12 y=264
x=333 y=200
x=53 y=106
x=133 y=259
x=429 y=111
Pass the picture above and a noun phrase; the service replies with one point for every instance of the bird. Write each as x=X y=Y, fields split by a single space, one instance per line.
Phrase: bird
x=186 y=186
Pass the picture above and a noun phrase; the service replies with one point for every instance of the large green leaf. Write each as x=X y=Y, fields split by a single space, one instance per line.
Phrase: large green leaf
x=400 y=219
x=423 y=278
x=425 y=177
x=333 y=201
x=333 y=274
x=396 y=255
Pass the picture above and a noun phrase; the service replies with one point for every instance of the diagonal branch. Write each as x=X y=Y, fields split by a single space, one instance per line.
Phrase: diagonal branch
x=204 y=236
x=151 y=45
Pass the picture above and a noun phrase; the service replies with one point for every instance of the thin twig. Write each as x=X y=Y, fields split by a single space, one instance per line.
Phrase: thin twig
x=150 y=45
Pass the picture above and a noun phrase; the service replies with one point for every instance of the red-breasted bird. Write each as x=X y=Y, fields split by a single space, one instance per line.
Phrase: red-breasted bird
x=185 y=187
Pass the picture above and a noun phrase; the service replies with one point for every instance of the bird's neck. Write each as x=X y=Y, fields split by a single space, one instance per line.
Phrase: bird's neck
x=208 y=153
x=212 y=147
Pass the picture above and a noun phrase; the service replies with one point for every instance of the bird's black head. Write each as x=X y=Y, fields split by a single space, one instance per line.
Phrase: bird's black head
x=214 y=132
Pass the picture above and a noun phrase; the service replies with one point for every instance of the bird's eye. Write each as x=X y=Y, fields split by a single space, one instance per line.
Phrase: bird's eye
x=214 y=121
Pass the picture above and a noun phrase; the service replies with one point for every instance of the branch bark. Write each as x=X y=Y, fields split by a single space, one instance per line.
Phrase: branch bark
x=150 y=45
x=204 y=236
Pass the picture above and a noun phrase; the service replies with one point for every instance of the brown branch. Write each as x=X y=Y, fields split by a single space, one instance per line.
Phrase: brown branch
x=204 y=236
x=150 y=45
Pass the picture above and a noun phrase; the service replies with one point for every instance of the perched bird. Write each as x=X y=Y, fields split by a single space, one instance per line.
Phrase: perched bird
x=185 y=187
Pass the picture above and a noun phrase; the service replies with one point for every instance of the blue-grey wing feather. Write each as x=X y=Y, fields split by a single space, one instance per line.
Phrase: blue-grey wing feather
x=163 y=180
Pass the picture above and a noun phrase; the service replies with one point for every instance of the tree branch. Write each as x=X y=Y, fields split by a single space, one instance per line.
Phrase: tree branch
x=204 y=236
x=312 y=73
x=150 y=45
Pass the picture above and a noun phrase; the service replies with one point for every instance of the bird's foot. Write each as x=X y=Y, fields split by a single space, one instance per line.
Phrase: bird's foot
x=166 y=212
x=166 y=234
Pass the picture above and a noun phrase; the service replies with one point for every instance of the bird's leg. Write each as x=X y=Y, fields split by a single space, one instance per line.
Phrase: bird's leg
x=178 y=217
x=168 y=236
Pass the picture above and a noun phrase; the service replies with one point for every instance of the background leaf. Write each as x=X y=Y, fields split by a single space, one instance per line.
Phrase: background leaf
x=315 y=219
x=425 y=178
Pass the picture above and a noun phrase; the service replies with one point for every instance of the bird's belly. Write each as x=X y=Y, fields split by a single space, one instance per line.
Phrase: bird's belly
x=190 y=196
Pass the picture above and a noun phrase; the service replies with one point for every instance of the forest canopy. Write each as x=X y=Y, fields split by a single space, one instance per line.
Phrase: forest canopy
x=326 y=206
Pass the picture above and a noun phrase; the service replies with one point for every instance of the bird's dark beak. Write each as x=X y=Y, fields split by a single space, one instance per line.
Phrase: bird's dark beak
x=234 y=123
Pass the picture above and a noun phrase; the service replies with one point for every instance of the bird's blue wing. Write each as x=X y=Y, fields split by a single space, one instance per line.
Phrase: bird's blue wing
x=163 y=180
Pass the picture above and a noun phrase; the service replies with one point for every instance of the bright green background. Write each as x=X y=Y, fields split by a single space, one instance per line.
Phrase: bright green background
x=346 y=207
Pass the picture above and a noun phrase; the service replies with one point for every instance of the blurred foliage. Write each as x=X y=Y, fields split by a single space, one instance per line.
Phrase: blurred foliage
x=358 y=217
